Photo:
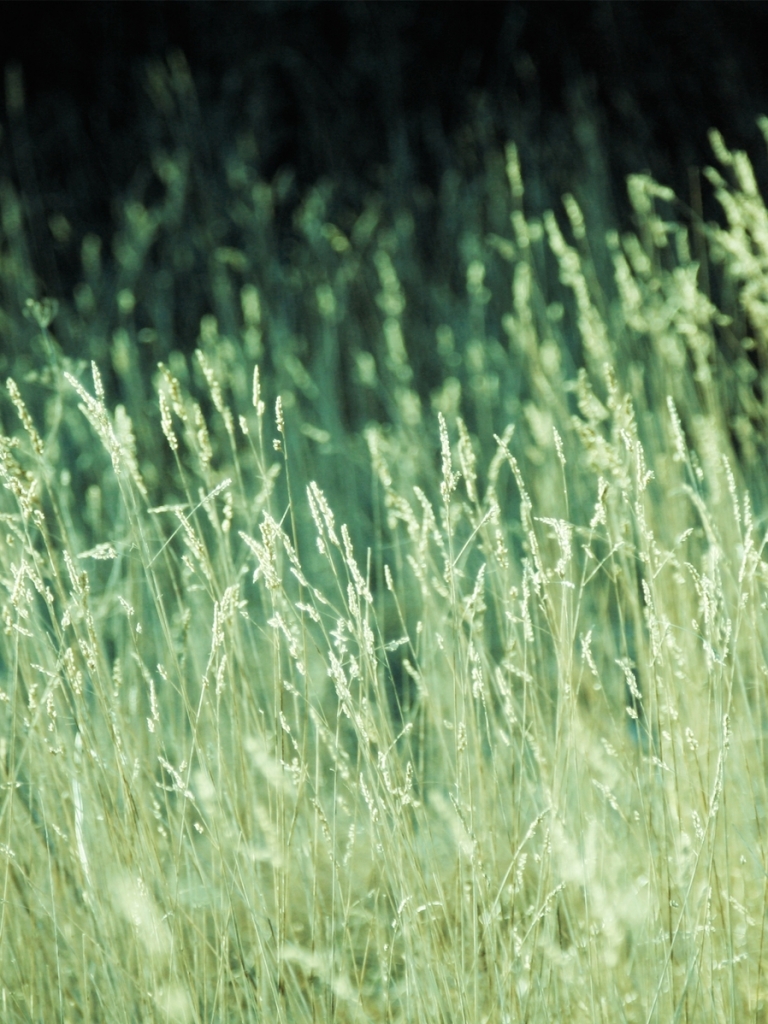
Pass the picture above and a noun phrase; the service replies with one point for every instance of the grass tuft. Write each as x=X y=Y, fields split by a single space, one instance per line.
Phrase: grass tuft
x=334 y=689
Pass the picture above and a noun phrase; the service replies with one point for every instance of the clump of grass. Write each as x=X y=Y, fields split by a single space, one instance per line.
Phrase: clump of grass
x=465 y=720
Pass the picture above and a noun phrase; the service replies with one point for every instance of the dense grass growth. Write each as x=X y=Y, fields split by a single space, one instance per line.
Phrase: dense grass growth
x=494 y=750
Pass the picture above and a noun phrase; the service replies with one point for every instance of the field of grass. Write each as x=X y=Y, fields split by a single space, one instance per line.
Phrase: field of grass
x=400 y=655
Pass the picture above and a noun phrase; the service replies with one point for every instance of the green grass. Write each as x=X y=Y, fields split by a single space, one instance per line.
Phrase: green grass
x=492 y=752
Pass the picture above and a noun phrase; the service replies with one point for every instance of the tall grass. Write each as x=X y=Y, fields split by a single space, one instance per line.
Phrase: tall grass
x=385 y=682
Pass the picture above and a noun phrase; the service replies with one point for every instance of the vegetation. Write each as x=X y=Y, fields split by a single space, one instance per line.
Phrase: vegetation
x=400 y=656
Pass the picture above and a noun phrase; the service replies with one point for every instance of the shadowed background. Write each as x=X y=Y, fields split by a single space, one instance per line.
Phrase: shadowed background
x=395 y=107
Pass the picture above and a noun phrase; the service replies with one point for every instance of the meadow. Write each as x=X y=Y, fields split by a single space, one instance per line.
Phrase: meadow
x=398 y=654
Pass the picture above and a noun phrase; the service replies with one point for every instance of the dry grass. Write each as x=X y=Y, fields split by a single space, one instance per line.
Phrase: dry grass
x=495 y=752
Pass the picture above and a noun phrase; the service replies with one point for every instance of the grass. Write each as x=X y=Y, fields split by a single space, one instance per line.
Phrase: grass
x=493 y=751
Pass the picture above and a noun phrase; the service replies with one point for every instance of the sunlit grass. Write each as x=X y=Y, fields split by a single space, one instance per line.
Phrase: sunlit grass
x=320 y=706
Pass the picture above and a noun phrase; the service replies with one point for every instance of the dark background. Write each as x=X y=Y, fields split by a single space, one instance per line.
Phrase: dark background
x=375 y=96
